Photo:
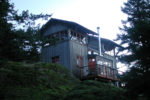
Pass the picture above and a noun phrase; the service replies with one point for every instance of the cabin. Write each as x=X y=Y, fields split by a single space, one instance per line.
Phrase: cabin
x=80 y=50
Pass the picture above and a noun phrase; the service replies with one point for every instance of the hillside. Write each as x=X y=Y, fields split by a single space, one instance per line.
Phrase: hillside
x=43 y=81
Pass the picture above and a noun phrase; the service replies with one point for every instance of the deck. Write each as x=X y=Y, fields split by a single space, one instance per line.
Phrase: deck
x=87 y=73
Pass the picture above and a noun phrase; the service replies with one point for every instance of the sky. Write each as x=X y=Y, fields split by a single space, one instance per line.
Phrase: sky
x=105 y=14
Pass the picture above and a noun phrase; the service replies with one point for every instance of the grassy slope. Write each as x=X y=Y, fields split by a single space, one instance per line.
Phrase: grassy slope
x=43 y=81
x=34 y=81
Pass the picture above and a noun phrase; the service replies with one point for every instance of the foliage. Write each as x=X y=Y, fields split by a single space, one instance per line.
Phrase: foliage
x=6 y=40
x=135 y=84
x=20 y=40
x=38 y=81
x=135 y=34
x=19 y=35
x=88 y=90
x=22 y=81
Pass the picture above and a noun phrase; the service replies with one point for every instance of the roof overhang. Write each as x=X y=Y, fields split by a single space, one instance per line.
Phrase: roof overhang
x=72 y=25
x=79 y=28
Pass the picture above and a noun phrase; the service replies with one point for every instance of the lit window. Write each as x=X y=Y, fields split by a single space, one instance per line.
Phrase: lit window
x=93 y=60
x=89 y=52
x=95 y=53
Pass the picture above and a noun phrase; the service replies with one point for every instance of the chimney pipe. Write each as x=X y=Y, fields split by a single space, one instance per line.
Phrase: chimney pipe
x=99 y=41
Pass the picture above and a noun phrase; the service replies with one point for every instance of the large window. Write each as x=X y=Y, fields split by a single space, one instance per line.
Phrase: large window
x=106 y=67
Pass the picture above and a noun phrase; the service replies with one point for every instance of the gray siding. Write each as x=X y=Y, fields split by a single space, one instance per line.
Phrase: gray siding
x=68 y=52
x=54 y=29
x=93 y=43
x=77 y=49
x=61 y=50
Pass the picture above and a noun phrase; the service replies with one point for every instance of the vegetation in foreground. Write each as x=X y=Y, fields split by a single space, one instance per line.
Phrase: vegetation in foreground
x=43 y=81
x=136 y=36
x=90 y=89
x=20 y=40
x=38 y=82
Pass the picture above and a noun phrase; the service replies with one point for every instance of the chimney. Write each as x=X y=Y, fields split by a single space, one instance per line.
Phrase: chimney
x=99 y=41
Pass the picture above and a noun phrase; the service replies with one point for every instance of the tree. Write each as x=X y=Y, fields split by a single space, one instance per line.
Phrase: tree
x=19 y=36
x=6 y=40
x=135 y=34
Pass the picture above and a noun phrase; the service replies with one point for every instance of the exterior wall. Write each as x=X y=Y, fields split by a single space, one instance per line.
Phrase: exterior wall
x=76 y=49
x=69 y=50
x=93 y=43
x=62 y=50
x=54 y=29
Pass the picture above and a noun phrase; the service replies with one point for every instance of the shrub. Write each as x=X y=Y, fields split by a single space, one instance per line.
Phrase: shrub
x=95 y=90
x=22 y=81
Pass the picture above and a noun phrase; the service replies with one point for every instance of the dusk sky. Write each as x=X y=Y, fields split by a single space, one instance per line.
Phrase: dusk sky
x=105 y=14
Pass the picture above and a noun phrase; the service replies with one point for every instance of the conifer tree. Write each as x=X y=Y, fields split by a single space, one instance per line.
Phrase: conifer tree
x=136 y=35
x=19 y=44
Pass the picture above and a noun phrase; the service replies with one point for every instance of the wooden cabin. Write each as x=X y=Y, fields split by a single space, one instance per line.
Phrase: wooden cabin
x=77 y=49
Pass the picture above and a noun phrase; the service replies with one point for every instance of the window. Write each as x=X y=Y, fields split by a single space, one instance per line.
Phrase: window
x=92 y=65
x=89 y=52
x=78 y=37
x=80 y=61
x=55 y=59
x=64 y=35
x=102 y=69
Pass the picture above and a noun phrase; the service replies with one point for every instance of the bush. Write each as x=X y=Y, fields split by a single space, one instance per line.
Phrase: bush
x=95 y=90
x=43 y=81
x=22 y=81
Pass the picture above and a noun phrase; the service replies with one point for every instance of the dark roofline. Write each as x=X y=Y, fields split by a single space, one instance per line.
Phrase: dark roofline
x=113 y=43
x=69 y=24
x=110 y=42
x=75 y=26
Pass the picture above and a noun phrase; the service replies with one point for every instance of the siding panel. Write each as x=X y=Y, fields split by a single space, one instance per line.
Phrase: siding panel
x=61 y=50
x=77 y=49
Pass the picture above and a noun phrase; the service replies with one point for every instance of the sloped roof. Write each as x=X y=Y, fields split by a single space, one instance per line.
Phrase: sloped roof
x=76 y=27
x=107 y=41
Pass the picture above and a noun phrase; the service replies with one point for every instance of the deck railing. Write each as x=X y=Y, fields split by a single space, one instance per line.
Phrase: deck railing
x=99 y=71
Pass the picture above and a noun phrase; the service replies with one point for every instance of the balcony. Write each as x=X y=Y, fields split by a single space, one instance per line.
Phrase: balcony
x=99 y=67
x=101 y=72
